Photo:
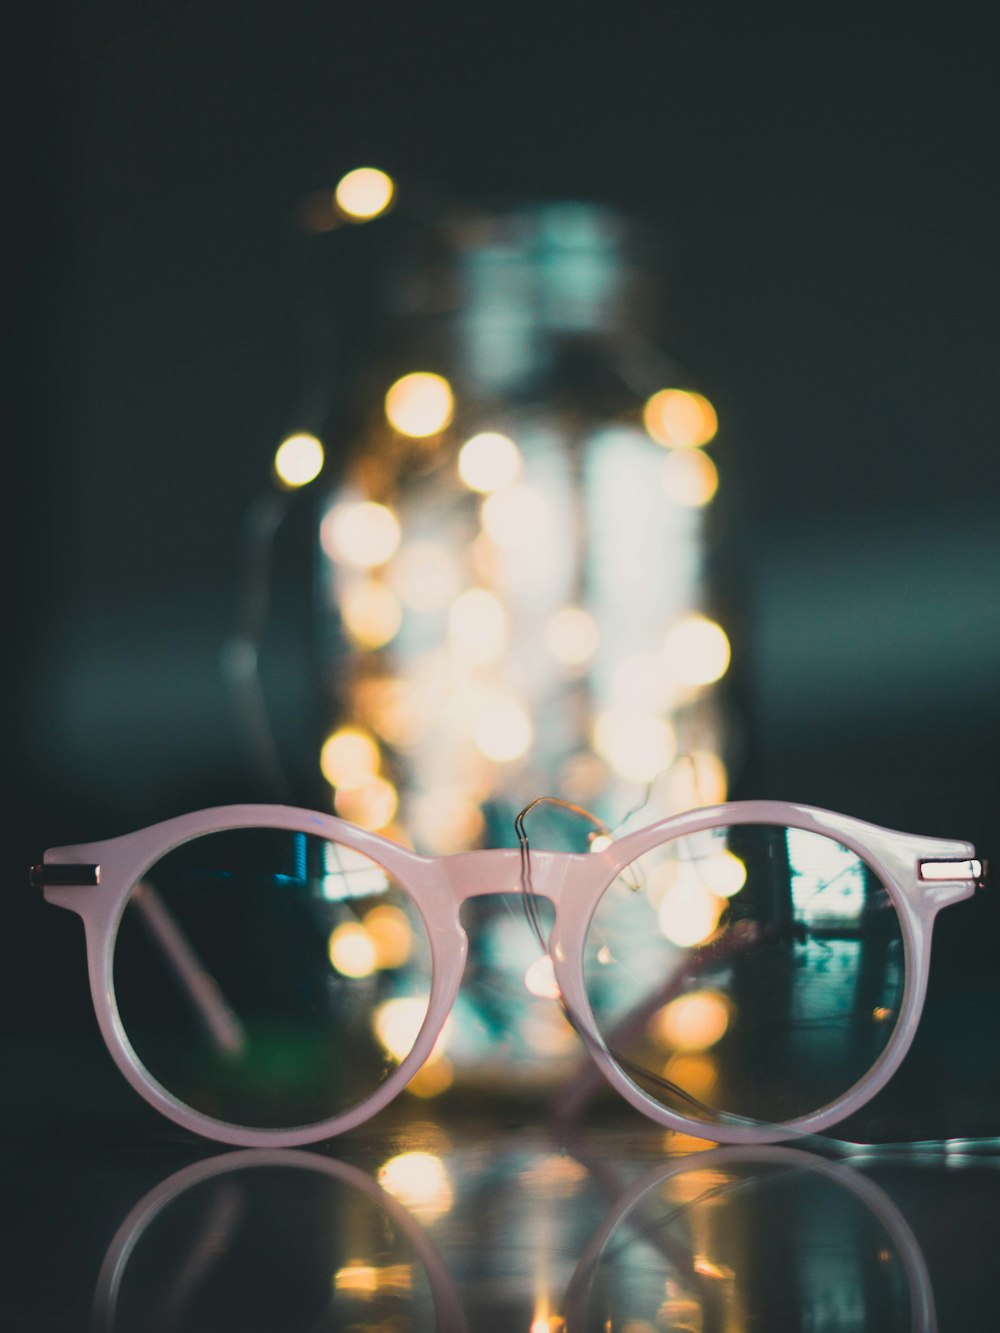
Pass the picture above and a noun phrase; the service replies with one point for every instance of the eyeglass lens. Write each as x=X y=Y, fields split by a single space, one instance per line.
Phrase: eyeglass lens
x=311 y=976
x=756 y=970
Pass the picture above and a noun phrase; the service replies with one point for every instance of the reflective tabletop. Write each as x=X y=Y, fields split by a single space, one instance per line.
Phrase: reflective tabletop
x=469 y=1220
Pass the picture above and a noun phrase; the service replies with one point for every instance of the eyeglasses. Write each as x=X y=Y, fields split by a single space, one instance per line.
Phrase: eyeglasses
x=269 y=976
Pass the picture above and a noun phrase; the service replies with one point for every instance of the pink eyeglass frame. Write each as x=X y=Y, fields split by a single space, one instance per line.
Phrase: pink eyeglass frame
x=921 y=875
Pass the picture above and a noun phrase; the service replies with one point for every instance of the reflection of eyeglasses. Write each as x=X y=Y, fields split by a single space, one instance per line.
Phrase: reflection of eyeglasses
x=271 y=976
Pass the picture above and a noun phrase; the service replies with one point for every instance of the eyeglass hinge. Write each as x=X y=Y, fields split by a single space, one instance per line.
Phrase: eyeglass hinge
x=64 y=875
x=939 y=871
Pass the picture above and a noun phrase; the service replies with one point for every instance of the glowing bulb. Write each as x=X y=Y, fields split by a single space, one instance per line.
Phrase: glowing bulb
x=420 y=404
x=349 y=758
x=572 y=636
x=488 y=462
x=371 y=805
x=352 y=950
x=299 y=461
x=360 y=533
x=371 y=613
x=679 y=419
x=477 y=626
x=637 y=745
x=364 y=193
x=502 y=730
x=696 y=651
x=431 y=1079
x=697 y=1074
x=693 y=1022
x=690 y=478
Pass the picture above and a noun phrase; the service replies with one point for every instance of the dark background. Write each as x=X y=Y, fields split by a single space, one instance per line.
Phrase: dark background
x=824 y=192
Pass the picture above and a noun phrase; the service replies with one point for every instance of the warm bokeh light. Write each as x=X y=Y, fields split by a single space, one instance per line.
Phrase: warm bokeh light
x=420 y=1182
x=360 y=533
x=397 y=1023
x=360 y=1280
x=636 y=744
x=540 y=979
x=514 y=514
x=446 y=819
x=371 y=806
x=502 y=730
x=425 y=575
x=696 y=651
x=696 y=779
x=572 y=636
x=391 y=935
x=489 y=461
x=690 y=478
x=723 y=872
x=349 y=758
x=371 y=613
x=477 y=627
x=680 y=419
x=692 y=1022
x=689 y=914
x=696 y=1073
x=352 y=950
x=364 y=193
x=432 y=1078
x=641 y=681
x=298 y=461
x=419 y=404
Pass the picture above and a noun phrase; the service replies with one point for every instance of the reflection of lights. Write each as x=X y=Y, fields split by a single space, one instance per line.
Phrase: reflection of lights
x=397 y=1023
x=540 y=979
x=420 y=1182
x=360 y=533
x=724 y=873
x=371 y=613
x=391 y=936
x=553 y=1177
x=636 y=745
x=697 y=1074
x=298 y=461
x=688 y=915
x=679 y=419
x=371 y=806
x=514 y=514
x=881 y=1014
x=488 y=462
x=432 y=1078
x=502 y=730
x=696 y=651
x=692 y=1022
x=690 y=478
x=349 y=758
x=359 y=1280
x=425 y=576
x=571 y=636
x=364 y=193
x=600 y=841
x=477 y=626
x=352 y=950
x=420 y=404
x=704 y=1267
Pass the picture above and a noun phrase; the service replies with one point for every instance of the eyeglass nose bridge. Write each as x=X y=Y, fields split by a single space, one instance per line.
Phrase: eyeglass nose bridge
x=508 y=870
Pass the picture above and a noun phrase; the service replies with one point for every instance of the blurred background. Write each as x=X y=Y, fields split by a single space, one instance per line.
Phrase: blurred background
x=820 y=216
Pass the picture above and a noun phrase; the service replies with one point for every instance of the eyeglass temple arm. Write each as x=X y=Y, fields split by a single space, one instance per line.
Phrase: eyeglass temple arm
x=216 y=1014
